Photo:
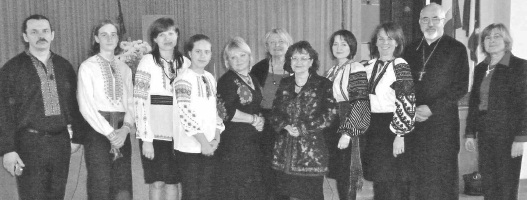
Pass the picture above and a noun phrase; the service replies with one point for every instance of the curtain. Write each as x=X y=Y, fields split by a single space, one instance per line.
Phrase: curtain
x=72 y=20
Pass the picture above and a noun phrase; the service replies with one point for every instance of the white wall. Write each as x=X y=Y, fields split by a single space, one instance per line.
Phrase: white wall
x=518 y=28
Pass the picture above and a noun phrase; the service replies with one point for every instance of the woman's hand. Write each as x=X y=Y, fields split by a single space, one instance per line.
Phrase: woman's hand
x=206 y=149
x=293 y=131
x=470 y=144
x=120 y=136
x=259 y=123
x=398 y=146
x=148 y=150
x=344 y=142
x=517 y=149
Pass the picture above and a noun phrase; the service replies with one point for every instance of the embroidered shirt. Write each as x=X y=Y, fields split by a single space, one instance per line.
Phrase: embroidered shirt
x=154 y=121
x=105 y=86
x=195 y=110
x=393 y=92
x=22 y=102
x=350 y=85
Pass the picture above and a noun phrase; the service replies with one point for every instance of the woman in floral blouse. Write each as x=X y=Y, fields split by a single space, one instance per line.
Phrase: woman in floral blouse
x=238 y=174
x=303 y=107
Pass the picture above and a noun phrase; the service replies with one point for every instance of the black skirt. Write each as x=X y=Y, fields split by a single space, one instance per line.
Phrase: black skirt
x=379 y=164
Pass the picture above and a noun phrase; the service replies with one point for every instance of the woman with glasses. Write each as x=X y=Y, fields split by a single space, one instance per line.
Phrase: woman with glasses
x=350 y=91
x=269 y=72
x=105 y=96
x=303 y=107
x=497 y=114
x=392 y=100
x=238 y=173
x=153 y=95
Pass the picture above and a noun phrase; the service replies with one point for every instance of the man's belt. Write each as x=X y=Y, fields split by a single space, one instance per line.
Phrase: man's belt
x=46 y=133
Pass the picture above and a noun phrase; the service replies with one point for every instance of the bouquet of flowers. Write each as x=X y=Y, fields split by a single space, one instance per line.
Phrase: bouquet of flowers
x=132 y=52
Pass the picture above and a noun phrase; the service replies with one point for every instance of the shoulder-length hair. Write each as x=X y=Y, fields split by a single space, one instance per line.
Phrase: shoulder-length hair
x=161 y=25
x=302 y=47
x=282 y=33
x=236 y=43
x=502 y=29
x=348 y=37
x=95 y=47
x=393 y=31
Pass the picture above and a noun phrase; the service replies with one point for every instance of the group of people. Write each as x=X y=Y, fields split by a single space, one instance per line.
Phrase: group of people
x=270 y=130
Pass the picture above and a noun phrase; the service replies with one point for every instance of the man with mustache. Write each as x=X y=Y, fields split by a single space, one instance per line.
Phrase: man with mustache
x=439 y=66
x=39 y=114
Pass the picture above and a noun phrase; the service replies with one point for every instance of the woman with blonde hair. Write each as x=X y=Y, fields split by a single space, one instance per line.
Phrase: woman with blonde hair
x=238 y=173
x=269 y=72
x=497 y=114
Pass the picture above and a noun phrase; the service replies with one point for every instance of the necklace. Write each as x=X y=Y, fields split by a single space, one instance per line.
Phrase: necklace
x=489 y=69
x=423 y=70
x=246 y=78
x=272 y=71
x=172 y=73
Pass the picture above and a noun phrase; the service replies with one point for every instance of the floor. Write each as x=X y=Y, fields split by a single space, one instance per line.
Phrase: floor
x=76 y=188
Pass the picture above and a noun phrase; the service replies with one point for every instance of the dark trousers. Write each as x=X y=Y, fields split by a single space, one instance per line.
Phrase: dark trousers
x=196 y=175
x=47 y=160
x=269 y=176
x=394 y=190
x=107 y=179
x=499 y=171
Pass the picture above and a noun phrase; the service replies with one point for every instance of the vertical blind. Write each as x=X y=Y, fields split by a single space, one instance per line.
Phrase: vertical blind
x=72 y=20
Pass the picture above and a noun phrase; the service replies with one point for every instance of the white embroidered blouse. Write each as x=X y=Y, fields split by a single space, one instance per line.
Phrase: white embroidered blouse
x=392 y=91
x=195 y=97
x=104 y=86
x=154 y=121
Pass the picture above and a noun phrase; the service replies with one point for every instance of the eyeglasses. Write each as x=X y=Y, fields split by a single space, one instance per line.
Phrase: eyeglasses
x=427 y=20
x=494 y=37
x=300 y=59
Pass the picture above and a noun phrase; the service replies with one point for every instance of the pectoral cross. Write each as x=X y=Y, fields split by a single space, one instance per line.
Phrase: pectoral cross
x=421 y=75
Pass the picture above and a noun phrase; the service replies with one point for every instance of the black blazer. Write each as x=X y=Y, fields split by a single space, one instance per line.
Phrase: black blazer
x=507 y=101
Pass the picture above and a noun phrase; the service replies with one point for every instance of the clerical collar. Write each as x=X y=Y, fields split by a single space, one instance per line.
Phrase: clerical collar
x=505 y=60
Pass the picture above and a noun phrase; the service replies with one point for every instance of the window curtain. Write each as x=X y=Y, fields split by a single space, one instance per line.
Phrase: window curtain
x=72 y=20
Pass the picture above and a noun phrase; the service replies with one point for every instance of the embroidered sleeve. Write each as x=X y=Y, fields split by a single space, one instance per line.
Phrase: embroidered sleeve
x=357 y=120
x=128 y=98
x=142 y=102
x=85 y=97
x=404 y=114
x=280 y=117
x=319 y=116
x=228 y=97
x=183 y=91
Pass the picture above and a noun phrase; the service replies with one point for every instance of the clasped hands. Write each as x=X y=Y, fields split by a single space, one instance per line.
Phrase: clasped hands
x=258 y=122
x=118 y=136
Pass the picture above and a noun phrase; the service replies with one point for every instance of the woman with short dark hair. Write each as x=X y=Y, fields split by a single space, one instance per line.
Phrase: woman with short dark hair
x=350 y=91
x=303 y=107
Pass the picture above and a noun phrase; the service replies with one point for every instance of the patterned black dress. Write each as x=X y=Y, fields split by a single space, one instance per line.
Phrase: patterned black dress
x=238 y=173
